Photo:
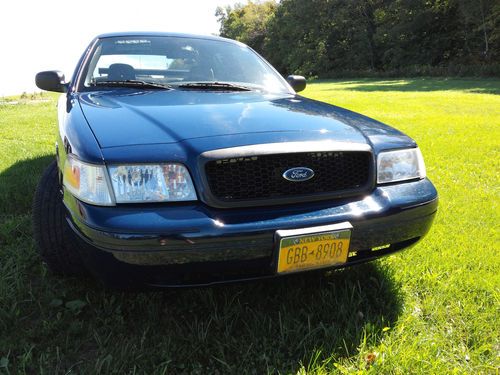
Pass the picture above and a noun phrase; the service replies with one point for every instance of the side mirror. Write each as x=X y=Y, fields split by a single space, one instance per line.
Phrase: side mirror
x=298 y=83
x=51 y=80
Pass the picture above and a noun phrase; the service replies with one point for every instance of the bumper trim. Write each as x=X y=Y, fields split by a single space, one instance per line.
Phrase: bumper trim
x=157 y=249
x=184 y=245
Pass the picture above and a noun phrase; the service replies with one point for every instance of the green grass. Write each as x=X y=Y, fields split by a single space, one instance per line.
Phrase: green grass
x=432 y=309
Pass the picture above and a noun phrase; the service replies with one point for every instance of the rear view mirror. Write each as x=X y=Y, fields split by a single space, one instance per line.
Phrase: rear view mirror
x=298 y=83
x=51 y=80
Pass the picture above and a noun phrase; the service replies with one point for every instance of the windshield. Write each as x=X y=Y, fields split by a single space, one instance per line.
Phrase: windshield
x=179 y=62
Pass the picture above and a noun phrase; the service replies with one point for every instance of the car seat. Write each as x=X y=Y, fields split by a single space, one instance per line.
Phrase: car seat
x=121 y=72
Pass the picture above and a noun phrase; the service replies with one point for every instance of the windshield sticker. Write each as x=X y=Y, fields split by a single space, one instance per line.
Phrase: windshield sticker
x=133 y=41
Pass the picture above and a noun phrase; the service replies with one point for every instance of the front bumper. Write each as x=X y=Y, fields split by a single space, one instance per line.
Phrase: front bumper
x=172 y=245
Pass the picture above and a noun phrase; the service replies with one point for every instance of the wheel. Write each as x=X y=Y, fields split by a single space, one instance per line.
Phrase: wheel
x=56 y=242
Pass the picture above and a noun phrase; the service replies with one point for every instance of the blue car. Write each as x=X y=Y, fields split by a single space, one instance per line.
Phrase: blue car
x=186 y=160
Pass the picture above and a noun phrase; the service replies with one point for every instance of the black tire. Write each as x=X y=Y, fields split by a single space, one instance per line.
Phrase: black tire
x=56 y=242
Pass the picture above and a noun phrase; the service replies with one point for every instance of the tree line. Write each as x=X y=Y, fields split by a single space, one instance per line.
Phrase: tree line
x=329 y=38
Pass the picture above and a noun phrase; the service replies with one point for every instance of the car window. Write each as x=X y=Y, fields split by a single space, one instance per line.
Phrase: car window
x=240 y=65
x=145 y=67
x=178 y=60
x=136 y=61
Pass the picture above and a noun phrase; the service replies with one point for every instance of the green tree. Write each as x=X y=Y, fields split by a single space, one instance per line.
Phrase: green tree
x=336 y=37
x=246 y=23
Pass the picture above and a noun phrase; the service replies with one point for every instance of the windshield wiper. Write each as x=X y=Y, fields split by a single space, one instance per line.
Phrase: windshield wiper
x=132 y=83
x=222 y=86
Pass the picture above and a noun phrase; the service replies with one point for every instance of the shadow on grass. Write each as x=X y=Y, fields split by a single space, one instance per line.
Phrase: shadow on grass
x=275 y=326
x=17 y=188
x=279 y=324
x=312 y=319
x=18 y=184
x=480 y=86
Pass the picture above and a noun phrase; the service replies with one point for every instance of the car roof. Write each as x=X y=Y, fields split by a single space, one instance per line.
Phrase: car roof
x=159 y=33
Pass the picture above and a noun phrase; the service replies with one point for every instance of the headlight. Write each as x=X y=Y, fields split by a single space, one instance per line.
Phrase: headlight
x=151 y=183
x=87 y=182
x=400 y=165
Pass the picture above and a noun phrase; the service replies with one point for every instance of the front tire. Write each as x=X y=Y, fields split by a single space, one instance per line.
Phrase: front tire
x=55 y=241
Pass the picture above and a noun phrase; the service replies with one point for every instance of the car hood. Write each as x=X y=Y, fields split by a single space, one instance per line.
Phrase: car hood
x=125 y=117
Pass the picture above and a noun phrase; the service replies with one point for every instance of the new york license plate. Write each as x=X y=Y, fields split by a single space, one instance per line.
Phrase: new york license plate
x=310 y=248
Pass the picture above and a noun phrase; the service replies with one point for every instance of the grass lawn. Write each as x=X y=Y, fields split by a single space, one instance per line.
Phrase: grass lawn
x=432 y=309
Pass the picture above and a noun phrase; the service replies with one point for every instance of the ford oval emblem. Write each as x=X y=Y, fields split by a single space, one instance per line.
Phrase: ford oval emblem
x=298 y=174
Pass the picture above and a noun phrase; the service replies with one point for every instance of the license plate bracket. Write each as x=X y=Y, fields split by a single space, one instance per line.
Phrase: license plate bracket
x=312 y=248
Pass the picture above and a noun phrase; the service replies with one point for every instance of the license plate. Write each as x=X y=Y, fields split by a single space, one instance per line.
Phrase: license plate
x=310 y=248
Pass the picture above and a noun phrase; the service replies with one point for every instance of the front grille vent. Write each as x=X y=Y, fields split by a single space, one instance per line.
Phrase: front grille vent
x=261 y=176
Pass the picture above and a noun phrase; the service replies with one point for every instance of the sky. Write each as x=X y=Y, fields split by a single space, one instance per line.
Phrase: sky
x=38 y=35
